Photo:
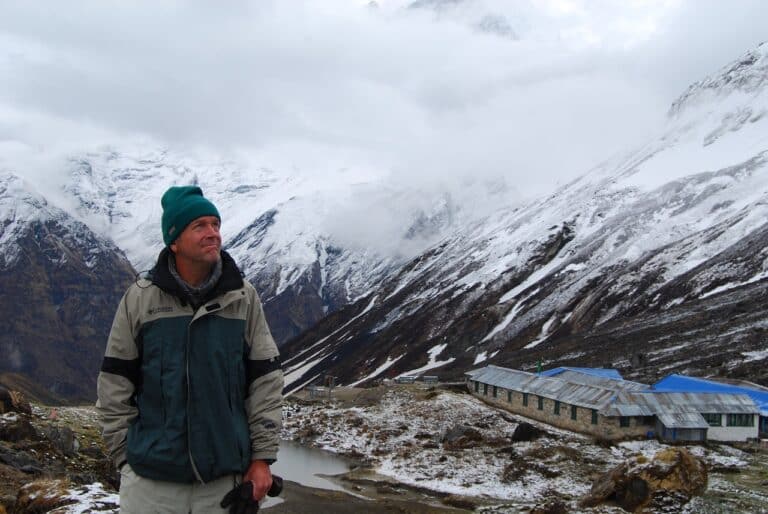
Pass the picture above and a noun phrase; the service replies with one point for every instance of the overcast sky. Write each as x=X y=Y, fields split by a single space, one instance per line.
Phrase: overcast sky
x=534 y=92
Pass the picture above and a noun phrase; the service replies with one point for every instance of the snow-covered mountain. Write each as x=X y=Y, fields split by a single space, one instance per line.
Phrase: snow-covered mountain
x=59 y=284
x=651 y=255
x=287 y=232
x=61 y=256
x=655 y=260
x=474 y=14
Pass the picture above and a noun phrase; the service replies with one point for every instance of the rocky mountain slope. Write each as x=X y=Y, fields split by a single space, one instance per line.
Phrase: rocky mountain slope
x=653 y=262
x=653 y=254
x=59 y=284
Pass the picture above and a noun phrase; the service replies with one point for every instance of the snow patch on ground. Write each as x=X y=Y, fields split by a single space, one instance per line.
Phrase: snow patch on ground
x=755 y=356
x=91 y=498
x=403 y=437
x=480 y=357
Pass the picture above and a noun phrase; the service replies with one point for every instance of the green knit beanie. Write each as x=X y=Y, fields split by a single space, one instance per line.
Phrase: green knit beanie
x=182 y=205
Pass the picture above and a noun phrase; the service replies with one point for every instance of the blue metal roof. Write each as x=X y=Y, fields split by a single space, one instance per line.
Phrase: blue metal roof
x=682 y=383
x=595 y=372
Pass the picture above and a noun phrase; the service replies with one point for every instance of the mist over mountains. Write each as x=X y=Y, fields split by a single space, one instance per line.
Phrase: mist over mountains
x=652 y=261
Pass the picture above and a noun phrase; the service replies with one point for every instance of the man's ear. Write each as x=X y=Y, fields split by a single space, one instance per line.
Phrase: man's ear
x=172 y=246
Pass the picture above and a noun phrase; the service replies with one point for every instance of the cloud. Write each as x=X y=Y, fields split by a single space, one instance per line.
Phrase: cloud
x=697 y=39
x=423 y=93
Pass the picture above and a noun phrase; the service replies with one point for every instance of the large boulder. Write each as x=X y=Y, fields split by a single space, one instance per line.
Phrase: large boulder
x=526 y=432
x=670 y=480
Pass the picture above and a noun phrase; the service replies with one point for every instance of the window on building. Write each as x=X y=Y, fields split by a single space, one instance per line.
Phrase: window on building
x=477 y=386
x=509 y=396
x=741 y=420
x=495 y=391
x=541 y=403
x=573 y=412
x=646 y=420
x=714 y=420
x=624 y=421
x=557 y=407
x=594 y=417
x=485 y=389
x=525 y=399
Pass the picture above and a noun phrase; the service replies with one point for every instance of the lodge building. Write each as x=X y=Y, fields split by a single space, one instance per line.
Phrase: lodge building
x=601 y=403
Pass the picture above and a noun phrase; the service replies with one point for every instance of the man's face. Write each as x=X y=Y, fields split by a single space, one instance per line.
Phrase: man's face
x=200 y=242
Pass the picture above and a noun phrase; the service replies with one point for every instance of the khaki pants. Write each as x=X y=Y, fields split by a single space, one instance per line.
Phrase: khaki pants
x=139 y=495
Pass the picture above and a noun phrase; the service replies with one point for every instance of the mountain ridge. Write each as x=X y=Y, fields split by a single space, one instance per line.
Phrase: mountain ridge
x=673 y=229
x=59 y=284
x=674 y=222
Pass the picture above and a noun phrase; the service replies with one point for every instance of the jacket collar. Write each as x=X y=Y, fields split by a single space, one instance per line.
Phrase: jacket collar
x=231 y=277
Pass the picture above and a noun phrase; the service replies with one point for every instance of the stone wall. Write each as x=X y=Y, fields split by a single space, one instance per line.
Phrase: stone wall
x=605 y=428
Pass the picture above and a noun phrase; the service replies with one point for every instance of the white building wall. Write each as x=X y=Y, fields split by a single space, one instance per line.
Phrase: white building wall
x=731 y=433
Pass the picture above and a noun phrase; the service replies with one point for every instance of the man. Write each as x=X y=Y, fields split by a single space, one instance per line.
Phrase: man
x=190 y=390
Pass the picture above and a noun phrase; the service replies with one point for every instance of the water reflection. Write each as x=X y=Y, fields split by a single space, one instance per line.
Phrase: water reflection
x=301 y=464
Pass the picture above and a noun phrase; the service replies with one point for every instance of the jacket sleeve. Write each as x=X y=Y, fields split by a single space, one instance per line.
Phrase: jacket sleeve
x=264 y=375
x=117 y=383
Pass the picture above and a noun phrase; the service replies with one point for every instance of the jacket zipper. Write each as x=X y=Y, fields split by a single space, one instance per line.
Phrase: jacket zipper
x=189 y=389
x=189 y=402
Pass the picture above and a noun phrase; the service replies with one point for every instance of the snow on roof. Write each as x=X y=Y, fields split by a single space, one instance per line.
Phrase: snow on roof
x=595 y=372
x=682 y=383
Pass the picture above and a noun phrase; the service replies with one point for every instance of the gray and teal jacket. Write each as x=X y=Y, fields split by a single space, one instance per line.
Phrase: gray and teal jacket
x=190 y=394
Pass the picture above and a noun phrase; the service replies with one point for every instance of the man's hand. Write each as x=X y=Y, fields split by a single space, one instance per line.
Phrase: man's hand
x=260 y=476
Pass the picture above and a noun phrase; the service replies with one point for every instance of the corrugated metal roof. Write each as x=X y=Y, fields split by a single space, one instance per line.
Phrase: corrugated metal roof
x=650 y=403
x=624 y=399
x=582 y=395
x=595 y=372
x=577 y=377
x=682 y=420
x=680 y=383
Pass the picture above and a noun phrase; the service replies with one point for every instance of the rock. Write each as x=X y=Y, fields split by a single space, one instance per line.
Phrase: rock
x=634 y=493
x=18 y=459
x=62 y=438
x=526 y=432
x=29 y=469
x=13 y=401
x=461 y=436
x=17 y=429
x=671 y=479
x=454 y=433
